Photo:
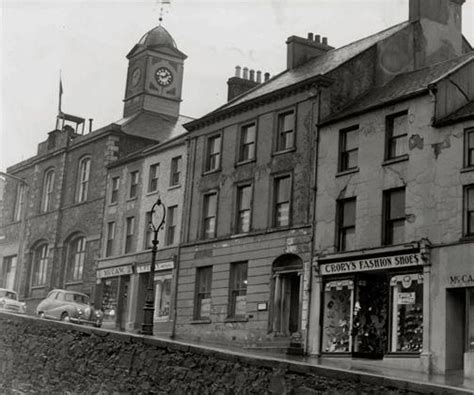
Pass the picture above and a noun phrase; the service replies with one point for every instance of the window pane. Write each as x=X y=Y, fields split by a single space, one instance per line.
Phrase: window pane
x=244 y=221
x=470 y=222
x=351 y=140
x=470 y=198
x=400 y=125
x=349 y=208
x=283 y=189
x=352 y=159
x=337 y=317
x=348 y=242
x=282 y=215
x=470 y=330
x=397 y=204
x=399 y=146
x=211 y=204
x=407 y=313
x=287 y=121
x=244 y=198
x=398 y=232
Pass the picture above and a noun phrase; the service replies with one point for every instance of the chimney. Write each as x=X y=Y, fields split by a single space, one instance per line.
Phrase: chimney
x=438 y=32
x=300 y=50
x=237 y=85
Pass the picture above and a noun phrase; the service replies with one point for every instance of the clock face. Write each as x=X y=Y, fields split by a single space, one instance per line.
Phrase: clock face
x=163 y=76
x=136 y=76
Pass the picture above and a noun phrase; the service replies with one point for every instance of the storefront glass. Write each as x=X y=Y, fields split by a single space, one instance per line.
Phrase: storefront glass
x=162 y=297
x=407 y=313
x=110 y=299
x=338 y=301
x=470 y=329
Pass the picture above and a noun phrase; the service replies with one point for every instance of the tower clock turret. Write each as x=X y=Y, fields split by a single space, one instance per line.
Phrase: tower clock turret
x=155 y=75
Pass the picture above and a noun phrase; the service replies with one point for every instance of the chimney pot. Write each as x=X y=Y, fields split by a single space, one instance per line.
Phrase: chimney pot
x=246 y=73
x=237 y=71
x=317 y=38
x=90 y=124
x=259 y=76
x=252 y=75
x=310 y=36
x=325 y=40
x=267 y=76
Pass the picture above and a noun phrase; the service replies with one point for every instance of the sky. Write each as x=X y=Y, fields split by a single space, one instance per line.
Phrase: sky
x=88 y=41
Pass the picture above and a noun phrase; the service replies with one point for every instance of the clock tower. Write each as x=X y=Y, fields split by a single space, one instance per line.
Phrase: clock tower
x=155 y=75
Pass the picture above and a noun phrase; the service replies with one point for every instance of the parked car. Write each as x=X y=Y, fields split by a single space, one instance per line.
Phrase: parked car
x=69 y=306
x=9 y=302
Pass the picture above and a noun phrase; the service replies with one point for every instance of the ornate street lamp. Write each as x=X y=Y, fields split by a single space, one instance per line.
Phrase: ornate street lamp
x=149 y=307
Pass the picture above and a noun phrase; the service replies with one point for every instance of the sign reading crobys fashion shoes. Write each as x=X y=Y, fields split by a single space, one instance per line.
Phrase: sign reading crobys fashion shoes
x=379 y=263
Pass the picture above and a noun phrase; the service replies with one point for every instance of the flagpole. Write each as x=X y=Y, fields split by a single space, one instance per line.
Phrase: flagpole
x=60 y=93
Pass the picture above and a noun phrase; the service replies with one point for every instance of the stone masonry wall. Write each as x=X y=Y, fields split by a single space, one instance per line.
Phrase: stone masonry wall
x=39 y=356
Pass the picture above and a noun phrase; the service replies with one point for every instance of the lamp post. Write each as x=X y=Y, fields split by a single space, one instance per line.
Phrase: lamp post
x=149 y=307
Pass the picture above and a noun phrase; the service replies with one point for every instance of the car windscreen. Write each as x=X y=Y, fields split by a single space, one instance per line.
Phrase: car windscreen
x=7 y=294
x=78 y=298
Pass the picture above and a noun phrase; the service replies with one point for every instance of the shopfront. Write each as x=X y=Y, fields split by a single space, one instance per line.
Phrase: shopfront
x=163 y=292
x=372 y=306
x=113 y=284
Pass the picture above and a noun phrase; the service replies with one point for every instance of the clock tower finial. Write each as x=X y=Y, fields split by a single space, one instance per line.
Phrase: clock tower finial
x=162 y=3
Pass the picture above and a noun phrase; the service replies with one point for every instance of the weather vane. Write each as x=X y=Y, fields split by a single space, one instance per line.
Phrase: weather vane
x=162 y=3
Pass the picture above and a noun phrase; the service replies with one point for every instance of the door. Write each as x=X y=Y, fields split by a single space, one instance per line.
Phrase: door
x=287 y=304
x=370 y=316
x=123 y=309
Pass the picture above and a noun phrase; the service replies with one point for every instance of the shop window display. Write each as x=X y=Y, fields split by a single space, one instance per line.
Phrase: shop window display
x=109 y=299
x=407 y=313
x=338 y=301
x=162 y=297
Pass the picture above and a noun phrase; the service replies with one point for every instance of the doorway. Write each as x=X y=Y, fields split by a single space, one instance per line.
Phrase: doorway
x=370 y=316
x=287 y=277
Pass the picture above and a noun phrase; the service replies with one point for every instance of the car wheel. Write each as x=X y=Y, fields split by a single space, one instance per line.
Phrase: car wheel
x=65 y=317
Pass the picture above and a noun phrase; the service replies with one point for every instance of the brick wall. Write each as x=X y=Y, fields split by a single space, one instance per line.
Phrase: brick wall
x=54 y=357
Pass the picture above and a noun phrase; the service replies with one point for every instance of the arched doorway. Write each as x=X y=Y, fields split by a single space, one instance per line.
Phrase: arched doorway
x=287 y=273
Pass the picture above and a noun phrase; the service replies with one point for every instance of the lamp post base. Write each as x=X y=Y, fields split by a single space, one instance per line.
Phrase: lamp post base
x=147 y=326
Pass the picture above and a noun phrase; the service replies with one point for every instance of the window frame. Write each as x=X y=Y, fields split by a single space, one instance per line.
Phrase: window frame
x=278 y=116
x=129 y=242
x=176 y=169
x=153 y=177
x=205 y=217
x=466 y=211
x=10 y=262
x=341 y=229
x=275 y=191
x=238 y=209
x=76 y=259
x=134 y=177
x=84 y=169
x=344 y=152
x=389 y=127
x=49 y=179
x=241 y=144
x=40 y=265
x=171 y=224
x=114 y=189
x=388 y=222
x=109 y=244
x=208 y=155
x=201 y=273
x=19 y=200
x=467 y=149
x=234 y=290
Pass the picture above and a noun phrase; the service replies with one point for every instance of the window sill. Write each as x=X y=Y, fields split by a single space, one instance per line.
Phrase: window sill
x=174 y=187
x=113 y=204
x=286 y=151
x=130 y=199
x=76 y=282
x=245 y=162
x=467 y=169
x=207 y=172
x=149 y=193
x=236 y=319
x=346 y=172
x=391 y=161
x=201 y=321
x=35 y=287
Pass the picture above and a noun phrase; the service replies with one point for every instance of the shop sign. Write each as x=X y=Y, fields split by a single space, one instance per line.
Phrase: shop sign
x=363 y=265
x=461 y=280
x=158 y=266
x=406 y=298
x=115 y=271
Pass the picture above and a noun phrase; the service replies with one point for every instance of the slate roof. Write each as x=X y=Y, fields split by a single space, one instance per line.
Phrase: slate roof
x=403 y=85
x=314 y=67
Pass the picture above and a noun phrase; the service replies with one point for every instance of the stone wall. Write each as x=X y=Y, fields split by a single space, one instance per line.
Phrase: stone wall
x=39 y=356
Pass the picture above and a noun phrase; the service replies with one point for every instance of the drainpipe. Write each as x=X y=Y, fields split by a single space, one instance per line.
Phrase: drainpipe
x=315 y=157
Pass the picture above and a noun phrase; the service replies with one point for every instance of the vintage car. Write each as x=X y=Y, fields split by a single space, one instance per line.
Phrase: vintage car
x=9 y=302
x=69 y=306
